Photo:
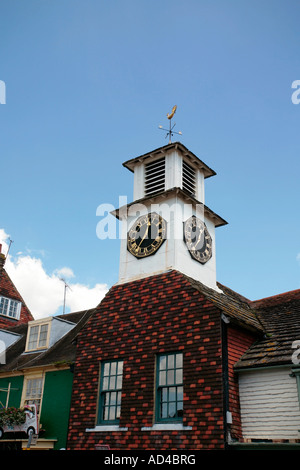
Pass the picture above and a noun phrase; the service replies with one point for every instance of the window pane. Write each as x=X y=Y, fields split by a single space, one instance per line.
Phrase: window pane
x=112 y=383
x=113 y=397
x=119 y=382
x=105 y=383
x=179 y=376
x=162 y=378
x=13 y=308
x=33 y=336
x=170 y=379
x=39 y=385
x=106 y=369
x=120 y=368
x=172 y=393
x=171 y=361
x=164 y=410
x=113 y=368
x=162 y=363
x=179 y=362
x=172 y=410
x=112 y=412
x=4 y=306
x=180 y=393
x=43 y=335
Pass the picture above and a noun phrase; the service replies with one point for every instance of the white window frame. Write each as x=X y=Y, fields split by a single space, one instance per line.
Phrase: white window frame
x=36 y=399
x=9 y=303
x=37 y=324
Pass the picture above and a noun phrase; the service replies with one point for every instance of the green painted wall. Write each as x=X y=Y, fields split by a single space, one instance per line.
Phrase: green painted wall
x=56 y=406
x=15 y=393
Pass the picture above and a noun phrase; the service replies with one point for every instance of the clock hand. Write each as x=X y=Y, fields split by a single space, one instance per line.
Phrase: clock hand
x=199 y=239
x=145 y=234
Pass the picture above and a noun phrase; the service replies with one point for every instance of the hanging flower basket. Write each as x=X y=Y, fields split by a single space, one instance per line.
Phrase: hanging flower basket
x=12 y=416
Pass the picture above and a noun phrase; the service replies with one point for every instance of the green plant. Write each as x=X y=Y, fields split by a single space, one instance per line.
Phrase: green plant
x=12 y=416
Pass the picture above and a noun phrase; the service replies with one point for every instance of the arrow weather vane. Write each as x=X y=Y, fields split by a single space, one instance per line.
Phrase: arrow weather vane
x=170 y=131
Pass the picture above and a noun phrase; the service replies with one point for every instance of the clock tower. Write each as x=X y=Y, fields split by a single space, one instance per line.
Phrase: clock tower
x=168 y=226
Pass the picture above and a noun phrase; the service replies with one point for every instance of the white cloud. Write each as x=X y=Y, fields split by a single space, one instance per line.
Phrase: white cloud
x=43 y=292
x=64 y=273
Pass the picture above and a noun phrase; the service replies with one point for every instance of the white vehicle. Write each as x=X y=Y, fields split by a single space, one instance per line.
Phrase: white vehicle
x=31 y=425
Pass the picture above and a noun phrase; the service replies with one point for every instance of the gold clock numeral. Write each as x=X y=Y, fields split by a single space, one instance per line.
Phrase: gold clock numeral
x=197 y=239
x=146 y=235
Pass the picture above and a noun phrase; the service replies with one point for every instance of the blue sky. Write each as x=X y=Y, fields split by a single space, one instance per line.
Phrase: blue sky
x=87 y=84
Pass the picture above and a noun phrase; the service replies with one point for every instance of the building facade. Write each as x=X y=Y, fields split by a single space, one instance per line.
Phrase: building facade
x=38 y=371
x=13 y=309
x=170 y=359
x=155 y=362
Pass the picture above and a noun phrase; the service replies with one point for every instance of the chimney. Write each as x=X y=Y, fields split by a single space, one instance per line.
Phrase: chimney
x=2 y=258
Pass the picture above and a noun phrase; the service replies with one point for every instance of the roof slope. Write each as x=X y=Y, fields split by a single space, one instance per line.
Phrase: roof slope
x=64 y=350
x=8 y=289
x=233 y=305
x=162 y=150
x=280 y=316
x=230 y=303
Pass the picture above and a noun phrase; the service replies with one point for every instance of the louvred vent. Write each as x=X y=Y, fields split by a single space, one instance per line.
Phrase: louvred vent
x=155 y=176
x=188 y=178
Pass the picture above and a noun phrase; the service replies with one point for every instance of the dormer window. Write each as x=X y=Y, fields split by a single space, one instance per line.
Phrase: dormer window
x=43 y=333
x=188 y=178
x=37 y=338
x=10 y=308
x=155 y=176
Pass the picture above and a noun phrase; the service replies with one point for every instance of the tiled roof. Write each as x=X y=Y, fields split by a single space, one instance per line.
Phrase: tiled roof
x=233 y=305
x=280 y=316
x=64 y=350
x=8 y=289
x=275 y=320
x=162 y=150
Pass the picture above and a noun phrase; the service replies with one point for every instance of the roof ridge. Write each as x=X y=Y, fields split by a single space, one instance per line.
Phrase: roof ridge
x=282 y=295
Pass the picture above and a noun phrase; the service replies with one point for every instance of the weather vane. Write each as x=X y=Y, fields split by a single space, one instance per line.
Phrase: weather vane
x=170 y=131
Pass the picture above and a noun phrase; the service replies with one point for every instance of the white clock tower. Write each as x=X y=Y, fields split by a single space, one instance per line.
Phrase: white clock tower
x=168 y=226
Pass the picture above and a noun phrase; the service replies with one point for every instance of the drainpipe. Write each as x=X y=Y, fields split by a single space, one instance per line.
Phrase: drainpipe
x=226 y=414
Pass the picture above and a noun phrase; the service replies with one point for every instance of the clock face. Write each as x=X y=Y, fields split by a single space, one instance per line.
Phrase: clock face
x=146 y=235
x=197 y=239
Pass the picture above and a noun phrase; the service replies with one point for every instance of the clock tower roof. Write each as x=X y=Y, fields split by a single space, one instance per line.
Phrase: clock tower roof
x=147 y=157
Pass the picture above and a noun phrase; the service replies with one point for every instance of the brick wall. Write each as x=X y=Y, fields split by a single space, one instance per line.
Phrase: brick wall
x=8 y=289
x=135 y=322
x=238 y=342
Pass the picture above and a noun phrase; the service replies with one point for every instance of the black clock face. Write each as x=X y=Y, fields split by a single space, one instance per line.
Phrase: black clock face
x=197 y=239
x=146 y=235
